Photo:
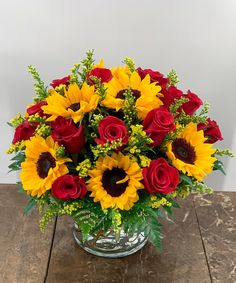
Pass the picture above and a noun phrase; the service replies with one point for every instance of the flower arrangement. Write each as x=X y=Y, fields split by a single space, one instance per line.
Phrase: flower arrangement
x=113 y=148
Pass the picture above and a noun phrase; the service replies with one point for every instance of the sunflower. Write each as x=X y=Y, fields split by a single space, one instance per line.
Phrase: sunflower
x=190 y=154
x=41 y=166
x=145 y=92
x=74 y=104
x=115 y=181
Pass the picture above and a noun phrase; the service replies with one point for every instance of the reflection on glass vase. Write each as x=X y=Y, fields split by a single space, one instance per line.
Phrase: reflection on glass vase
x=110 y=244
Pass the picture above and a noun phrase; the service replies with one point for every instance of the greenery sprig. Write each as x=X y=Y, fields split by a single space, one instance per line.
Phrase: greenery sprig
x=130 y=63
x=39 y=85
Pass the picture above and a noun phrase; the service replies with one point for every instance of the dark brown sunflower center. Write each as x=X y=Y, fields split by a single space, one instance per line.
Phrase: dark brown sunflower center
x=136 y=93
x=75 y=107
x=184 y=151
x=44 y=163
x=110 y=179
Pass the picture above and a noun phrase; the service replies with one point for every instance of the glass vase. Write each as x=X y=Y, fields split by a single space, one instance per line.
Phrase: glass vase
x=110 y=244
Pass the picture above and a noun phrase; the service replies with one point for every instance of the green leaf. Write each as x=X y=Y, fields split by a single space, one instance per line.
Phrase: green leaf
x=186 y=179
x=30 y=205
x=152 y=212
x=86 y=220
x=18 y=159
x=20 y=156
x=20 y=188
x=154 y=233
x=218 y=165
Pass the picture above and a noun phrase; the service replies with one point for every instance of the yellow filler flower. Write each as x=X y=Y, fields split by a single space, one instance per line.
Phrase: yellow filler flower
x=115 y=181
x=190 y=154
x=74 y=104
x=41 y=166
x=146 y=93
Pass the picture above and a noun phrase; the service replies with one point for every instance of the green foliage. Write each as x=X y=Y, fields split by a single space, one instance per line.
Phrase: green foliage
x=20 y=188
x=224 y=152
x=182 y=118
x=200 y=188
x=129 y=109
x=39 y=86
x=17 y=160
x=61 y=151
x=90 y=219
x=74 y=75
x=205 y=109
x=30 y=205
x=154 y=232
x=186 y=179
x=173 y=78
x=86 y=65
x=185 y=119
x=143 y=218
x=101 y=90
x=43 y=130
x=36 y=118
x=106 y=149
x=48 y=215
x=130 y=63
x=16 y=121
x=138 y=142
x=175 y=106
x=95 y=120
x=86 y=220
x=218 y=165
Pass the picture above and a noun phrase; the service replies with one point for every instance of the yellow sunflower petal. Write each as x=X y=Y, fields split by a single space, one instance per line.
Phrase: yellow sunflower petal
x=36 y=175
x=190 y=154
x=128 y=185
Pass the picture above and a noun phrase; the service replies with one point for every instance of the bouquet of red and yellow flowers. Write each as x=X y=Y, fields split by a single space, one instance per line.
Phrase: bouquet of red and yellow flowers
x=113 y=148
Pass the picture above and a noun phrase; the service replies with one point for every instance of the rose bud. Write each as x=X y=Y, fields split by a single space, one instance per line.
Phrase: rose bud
x=36 y=108
x=157 y=124
x=155 y=76
x=211 y=131
x=23 y=132
x=66 y=133
x=57 y=82
x=160 y=177
x=192 y=105
x=110 y=129
x=69 y=187
x=103 y=74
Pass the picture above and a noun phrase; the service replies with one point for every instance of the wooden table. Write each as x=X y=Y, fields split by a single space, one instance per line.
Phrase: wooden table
x=199 y=247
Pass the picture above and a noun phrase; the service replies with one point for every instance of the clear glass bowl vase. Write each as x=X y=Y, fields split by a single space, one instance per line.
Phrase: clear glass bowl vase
x=110 y=244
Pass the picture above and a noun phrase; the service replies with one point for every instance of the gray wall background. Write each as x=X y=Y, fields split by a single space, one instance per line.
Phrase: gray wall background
x=197 y=38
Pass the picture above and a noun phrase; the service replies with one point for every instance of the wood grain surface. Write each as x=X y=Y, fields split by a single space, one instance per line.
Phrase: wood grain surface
x=199 y=246
x=24 y=249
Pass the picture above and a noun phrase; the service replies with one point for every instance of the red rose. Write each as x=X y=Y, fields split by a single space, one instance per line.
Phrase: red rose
x=110 y=129
x=170 y=94
x=65 y=132
x=36 y=108
x=154 y=75
x=158 y=123
x=192 y=105
x=160 y=177
x=57 y=82
x=23 y=132
x=211 y=131
x=69 y=187
x=103 y=74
